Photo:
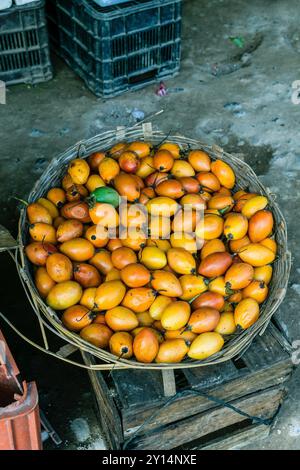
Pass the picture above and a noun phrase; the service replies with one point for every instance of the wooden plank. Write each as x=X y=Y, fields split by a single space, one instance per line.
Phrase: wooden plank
x=191 y=405
x=108 y=414
x=235 y=439
x=263 y=404
x=7 y=242
x=264 y=352
x=213 y=376
x=169 y=383
x=138 y=388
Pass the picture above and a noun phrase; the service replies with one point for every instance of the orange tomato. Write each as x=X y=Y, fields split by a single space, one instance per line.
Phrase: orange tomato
x=269 y=243
x=76 y=192
x=185 y=240
x=260 y=225
x=256 y=254
x=239 y=276
x=88 y=299
x=172 y=351
x=113 y=244
x=144 y=318
x=94 y=182
x=224 y=173
x=97 y=334
x=121 y=319
x=64 y=295
x=78 y=249
x=263 y=273
x=181 y=261
x=146 y=167
x=120 y=344
x=221 y=203
x=146 y=194
x=127 y=186
x=67 y=182
x=51 y=208
x=134 y=240
x=145 y=346
x=37 y=213
x=212 y=246
x=209 y=182
x=226 y=325
x=253 y=205
x=209 y=299
x=108 y=169
x=203 y=319
x=215 y=265
x=211 y=226
x=79 y=171
x=58 y=221
x=135 y=275
x=166 y=283
x=59 y=267
x=171 y=147
x=77 y=317
x=123 y=256
x=170 y=188
x=57 y=196
x=139 y=299
x=182 y=333
x=175 y=315
x=236 y=245
x=117 y=150
x=246 y=313
x=185 y=221
x=38 y=252
x=41 y=232
x=102 y=261
x=192 y=285
x=43 y=281
x=163 y=161
x=110 y=294
x=257 y=290
x=129 y=161
x=97 y=235
x=104 y=214
x=68 y=230
x=182 y=168
x=218 y=286
x=235 y=226
x=86 y=275
x=158 y=306
x=193 y=201
x=142 y=149
x=113 y=275
x=76 y=210
x=199 y=160
x=205 y=345
x=190 y=184
x=242 y=199
x=95 y=159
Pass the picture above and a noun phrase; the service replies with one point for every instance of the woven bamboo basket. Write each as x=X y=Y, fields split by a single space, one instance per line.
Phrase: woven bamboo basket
x=246 y=178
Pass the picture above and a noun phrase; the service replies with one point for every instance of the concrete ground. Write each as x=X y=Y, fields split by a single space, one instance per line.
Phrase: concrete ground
x=243 y=104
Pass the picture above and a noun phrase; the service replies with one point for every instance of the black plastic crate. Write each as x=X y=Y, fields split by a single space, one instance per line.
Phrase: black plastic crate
x=119 y=47
x=24 y=44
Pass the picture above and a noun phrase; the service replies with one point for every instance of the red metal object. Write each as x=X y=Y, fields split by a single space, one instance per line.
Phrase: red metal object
x=20 y=427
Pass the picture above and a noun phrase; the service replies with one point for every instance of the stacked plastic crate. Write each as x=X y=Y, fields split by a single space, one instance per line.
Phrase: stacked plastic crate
x=24 y=44
x=118 y=47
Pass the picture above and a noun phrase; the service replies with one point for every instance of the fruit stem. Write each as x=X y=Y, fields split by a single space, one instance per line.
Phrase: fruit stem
x=21 y=200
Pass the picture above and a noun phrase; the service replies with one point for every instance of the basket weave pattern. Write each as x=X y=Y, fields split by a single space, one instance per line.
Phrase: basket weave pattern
x=245 y=177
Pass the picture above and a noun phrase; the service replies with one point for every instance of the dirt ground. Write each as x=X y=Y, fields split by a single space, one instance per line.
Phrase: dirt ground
x=243 y=104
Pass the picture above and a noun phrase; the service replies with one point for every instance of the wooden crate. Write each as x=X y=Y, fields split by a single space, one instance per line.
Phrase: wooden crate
x=255 y=383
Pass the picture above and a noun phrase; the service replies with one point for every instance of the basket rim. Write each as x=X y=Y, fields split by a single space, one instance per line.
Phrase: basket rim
x=236 y=345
